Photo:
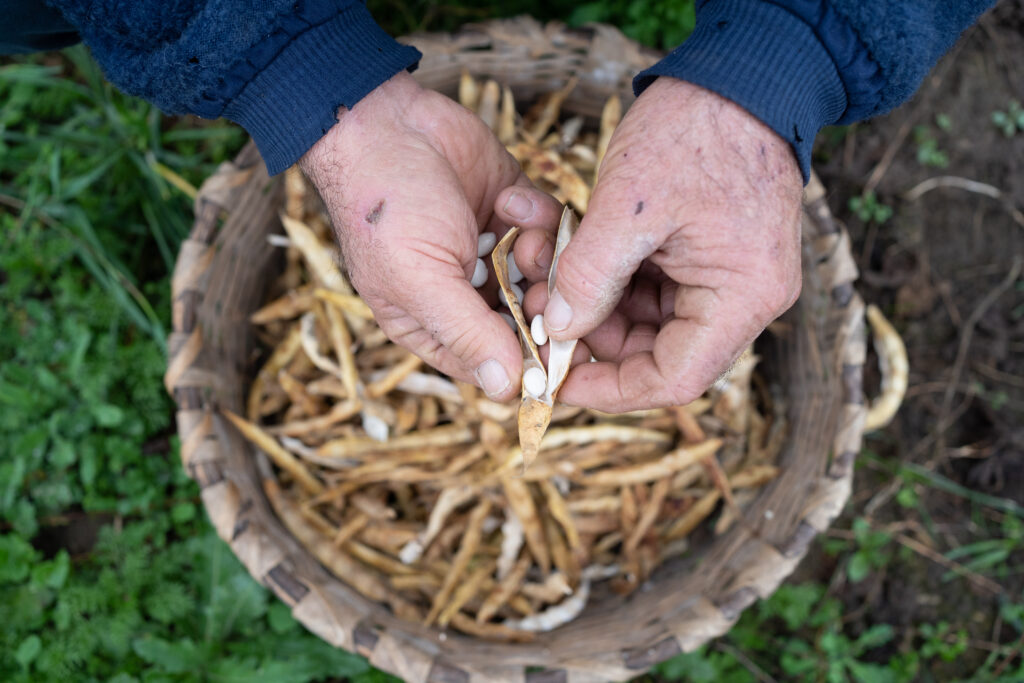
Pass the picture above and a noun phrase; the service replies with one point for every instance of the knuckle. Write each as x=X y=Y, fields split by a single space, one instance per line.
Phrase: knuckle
x=464 y=338
x=778 y=291
x=681 y=391
x=574 y=277
x=795 y=286
x=581 y=280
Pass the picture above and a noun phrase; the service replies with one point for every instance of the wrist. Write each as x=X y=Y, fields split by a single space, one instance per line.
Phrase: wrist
x=784 y=76
x=722 y=119
x=356 y=127
x=286 y=90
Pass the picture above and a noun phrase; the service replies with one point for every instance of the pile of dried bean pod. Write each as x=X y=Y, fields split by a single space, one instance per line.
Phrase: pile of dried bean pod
x=413 y=489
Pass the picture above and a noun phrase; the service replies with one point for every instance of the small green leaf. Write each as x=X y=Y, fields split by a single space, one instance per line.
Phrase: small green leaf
x=107 y=415
x=836 y=672
x=24 y=521
x=864 y=672
x=28 y=650
x=907 y=497
x=858 y=567
x=798 y=659
x=280 y=618
x=877 y=635
x=171 y=657
x=183 y=512
x=16 y=558
x=62 y=454
x=88 y=465
x=689 y=666
x=53 y=573
x=834 y=644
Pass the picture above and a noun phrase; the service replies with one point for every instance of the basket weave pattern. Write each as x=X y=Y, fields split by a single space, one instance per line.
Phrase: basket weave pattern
x=816 y=355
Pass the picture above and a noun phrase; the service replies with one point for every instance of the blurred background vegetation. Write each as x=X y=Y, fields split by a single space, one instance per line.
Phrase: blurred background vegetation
x=108 y=567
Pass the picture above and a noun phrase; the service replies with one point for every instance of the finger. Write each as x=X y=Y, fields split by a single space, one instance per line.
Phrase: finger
x=534 y=300
x=595 y=268
x=644 y=300
x=495 y=172
x=692 y=350
x=409 y=333
x=533 y=252
x=456 y=317
x=537 y=214
x=524 y=205
x=618 y=338
x=614 y=340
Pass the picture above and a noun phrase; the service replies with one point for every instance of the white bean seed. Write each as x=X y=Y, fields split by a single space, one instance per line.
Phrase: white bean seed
x=514 y=274
x=537 y=331
x=510 y=320
x=479 y=274
x=375 y=428
x=534 y=382
x=485 y=243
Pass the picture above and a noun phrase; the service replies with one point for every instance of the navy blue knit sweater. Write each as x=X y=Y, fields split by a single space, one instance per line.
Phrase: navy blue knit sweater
x=281 y=68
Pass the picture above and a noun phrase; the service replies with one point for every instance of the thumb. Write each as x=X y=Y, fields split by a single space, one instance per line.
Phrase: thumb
x=476 y=343
x=593 y=272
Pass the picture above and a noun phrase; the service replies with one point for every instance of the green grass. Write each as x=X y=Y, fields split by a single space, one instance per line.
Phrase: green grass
x=89 y=230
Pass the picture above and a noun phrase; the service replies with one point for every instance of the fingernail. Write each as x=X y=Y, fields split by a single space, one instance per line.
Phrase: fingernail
x=492 y=377
x=518 y=206
x=543 y=258
x=557 y=315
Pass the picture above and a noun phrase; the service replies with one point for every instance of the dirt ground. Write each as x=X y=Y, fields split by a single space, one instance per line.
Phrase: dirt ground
x=943 y=268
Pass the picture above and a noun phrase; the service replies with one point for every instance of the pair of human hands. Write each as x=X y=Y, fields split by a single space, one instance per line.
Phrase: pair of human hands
x=690 y=245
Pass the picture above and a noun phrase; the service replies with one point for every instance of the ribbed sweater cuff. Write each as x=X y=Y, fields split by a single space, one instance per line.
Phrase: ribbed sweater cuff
x=294 y=101
x=765 y=59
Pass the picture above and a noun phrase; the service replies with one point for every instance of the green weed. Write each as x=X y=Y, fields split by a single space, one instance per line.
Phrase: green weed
x=796 y=635
x=1011 y=121
x=928 y=152
x=79 y=158
x=146 y=605
x=867 y=208
x=87 y=238
x=661 y=24
x=991 y=556
x=939 y=640
x=872 y=550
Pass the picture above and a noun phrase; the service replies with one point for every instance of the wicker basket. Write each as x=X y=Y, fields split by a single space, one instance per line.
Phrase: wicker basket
x=815 y=356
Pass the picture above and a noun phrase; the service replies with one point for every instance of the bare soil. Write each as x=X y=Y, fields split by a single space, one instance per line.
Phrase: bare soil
x=941 y=268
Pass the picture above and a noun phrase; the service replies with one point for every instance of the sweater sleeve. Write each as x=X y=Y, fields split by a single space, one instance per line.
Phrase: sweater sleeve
x=280 y=68
x=800 y=65
x=31 y=26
